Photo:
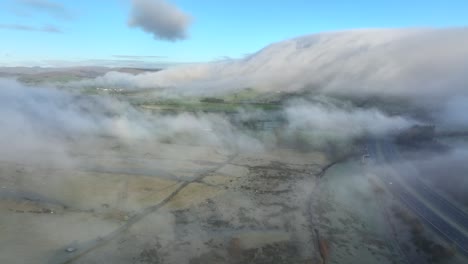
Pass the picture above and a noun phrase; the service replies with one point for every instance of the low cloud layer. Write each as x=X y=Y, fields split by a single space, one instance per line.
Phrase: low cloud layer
x=37 y=120
x=159 y=18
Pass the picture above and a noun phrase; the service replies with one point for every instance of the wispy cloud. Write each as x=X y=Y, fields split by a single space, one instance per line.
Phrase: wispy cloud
x=136 y=57
x=114 y=63
x=223 y=58
x=160 y=18
x=55 y=9
x=20 y=27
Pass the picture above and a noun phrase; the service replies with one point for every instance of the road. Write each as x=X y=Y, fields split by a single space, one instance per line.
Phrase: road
x=438 y=213
x=90 y=246
x=410 y=173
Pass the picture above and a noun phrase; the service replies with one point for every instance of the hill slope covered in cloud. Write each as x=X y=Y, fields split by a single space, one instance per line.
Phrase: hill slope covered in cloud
x=424 y=68
x=389 y=61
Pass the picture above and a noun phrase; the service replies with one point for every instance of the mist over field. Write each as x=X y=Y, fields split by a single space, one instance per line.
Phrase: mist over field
x=38 y=119
x=35 y=119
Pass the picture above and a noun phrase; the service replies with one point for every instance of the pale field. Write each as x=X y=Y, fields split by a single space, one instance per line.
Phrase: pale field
x=230 y=203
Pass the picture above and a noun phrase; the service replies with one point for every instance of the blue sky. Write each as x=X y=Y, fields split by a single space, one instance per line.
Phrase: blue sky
x=97 y=31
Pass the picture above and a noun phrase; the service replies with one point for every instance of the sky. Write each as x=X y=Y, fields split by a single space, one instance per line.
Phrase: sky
x=154 y=33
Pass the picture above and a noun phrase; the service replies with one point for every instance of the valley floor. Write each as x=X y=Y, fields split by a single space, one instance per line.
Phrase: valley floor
x=129 y=204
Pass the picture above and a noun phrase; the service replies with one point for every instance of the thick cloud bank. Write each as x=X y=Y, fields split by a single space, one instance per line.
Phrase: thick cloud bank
x=163 y=20
x=419 y=63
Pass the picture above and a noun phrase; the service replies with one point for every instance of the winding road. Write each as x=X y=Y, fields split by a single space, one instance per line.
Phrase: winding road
x=92 y=245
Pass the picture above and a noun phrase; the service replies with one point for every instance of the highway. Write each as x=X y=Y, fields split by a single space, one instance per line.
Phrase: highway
x=435 y=211
x=412 y=177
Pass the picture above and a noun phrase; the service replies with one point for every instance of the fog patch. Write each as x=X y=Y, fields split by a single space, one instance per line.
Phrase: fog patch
x=35 y=120
x=329 y=122
x=453 y=115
